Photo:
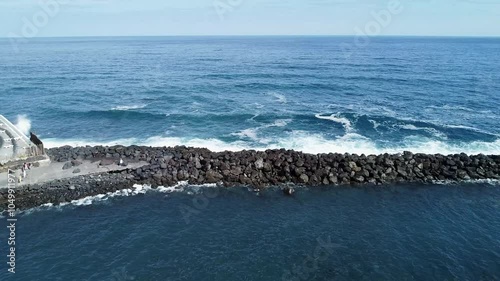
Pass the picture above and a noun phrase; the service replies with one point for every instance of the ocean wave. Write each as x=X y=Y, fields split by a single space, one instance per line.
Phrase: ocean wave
x=353 y=122
x=253 y=133
x=279 y=97
x=374 y=123
x=432 y=131
x=492 y=182
x=457 y=108
x=128 y=116
x=248 y=133
x=346 y=123
x=181 y=187
x=129 y=107
x=307 y=142
x=470 y=129
x=114 y=114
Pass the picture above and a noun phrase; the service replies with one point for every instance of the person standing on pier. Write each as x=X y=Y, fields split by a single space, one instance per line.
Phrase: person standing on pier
x=23 y=170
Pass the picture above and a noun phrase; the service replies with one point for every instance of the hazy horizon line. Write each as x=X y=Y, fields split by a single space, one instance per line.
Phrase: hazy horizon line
x=257 y=35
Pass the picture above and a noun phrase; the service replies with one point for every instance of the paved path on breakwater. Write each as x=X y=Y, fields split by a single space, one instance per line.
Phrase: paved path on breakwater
x=54 y=171
x=167 y=166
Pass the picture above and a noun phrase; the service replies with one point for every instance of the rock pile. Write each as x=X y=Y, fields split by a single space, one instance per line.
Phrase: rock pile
x=168 y=166
x=62 y=191
x=273 y=167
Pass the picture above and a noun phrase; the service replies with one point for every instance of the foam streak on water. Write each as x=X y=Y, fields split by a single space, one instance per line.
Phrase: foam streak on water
x=292 y=92
x=234 y=93
x=302 y=141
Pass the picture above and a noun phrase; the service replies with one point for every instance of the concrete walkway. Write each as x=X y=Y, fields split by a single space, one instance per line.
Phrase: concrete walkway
x=54 y=171
x=6 y=147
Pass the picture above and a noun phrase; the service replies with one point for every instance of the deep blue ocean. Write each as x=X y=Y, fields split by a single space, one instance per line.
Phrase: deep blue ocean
x=432 y=95
x=438 y=95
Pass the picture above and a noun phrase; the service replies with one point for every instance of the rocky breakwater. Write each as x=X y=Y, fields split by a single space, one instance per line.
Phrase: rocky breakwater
x=168 y=166
x=65 y=190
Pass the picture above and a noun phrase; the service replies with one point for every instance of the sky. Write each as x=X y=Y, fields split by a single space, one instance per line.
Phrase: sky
x=54 y=18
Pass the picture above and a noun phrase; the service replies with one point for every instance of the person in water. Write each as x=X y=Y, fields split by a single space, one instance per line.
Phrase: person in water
x=288 y=191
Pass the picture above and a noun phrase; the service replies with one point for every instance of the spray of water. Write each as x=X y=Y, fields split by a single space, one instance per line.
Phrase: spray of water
x=23 y=124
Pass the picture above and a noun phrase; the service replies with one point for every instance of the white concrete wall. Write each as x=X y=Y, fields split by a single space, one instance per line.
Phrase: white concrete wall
x=7 y=151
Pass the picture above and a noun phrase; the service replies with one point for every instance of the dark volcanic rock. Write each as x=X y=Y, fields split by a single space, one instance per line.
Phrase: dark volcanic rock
x=168 y=165
x=67 y=166
x=107 y=162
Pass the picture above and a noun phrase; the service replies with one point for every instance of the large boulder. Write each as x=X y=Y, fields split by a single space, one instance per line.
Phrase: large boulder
x=106 y=162
x=67 y=166
x=259 y=164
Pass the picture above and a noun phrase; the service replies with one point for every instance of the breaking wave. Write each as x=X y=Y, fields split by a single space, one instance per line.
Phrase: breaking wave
x=280 y=98
x=129 y=107
x=180 y=187
x=346 y=123
x=306 y=142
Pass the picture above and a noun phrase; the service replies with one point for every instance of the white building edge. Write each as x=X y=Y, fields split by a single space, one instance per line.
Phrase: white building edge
x=15 y=146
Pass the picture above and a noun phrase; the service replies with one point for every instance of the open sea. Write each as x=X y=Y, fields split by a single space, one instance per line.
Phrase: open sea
x=314 y=94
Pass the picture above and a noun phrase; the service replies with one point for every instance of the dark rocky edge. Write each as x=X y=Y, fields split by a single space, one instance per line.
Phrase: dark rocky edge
x=260 y=169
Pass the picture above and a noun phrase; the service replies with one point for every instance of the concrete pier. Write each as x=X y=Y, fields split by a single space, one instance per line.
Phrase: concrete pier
x=98 y=172
x=15 y=146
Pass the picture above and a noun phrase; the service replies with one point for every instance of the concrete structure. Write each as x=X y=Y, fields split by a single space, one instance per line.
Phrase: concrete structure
x=16 y=146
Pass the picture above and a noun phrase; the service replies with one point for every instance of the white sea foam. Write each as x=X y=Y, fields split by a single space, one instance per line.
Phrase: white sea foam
x=281 y=123
x=432 y=131
x=23 y=124
x=448 y=107
x=253 y=117
x=279 y=97
x=492 y=182
x=409 y=127
x=182 y=185
x=461 y=127
x=135 y=190
x=258 y=105
x=248 y=133
x=129 y=107
x=307 y=142
x=338 y=119
x=471 y=129
x=253 y=133
x=374 y=123
x=51 y=142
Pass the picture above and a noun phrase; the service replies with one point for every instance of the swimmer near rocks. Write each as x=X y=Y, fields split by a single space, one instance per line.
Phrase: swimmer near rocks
x=288 y=191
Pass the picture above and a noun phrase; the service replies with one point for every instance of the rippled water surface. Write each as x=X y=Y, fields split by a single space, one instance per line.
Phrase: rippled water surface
x=433 y=95
x=436 y=95
x=394 y=233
